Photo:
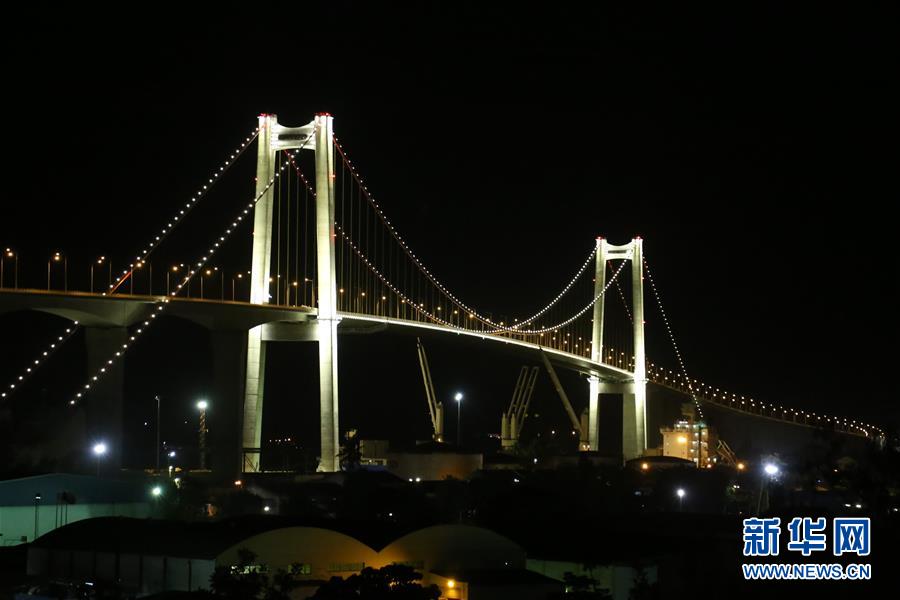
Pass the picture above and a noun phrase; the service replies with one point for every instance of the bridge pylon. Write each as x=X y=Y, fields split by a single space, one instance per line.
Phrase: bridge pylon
x=634 y=392
x=316 y=136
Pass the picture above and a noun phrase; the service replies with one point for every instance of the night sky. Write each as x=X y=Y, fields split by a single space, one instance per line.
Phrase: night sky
x=753 y=150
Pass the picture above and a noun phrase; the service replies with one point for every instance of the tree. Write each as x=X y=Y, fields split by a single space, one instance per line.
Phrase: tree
x=642 y=589
x=350 y=454
x=583 y=587
x=393 y=582
x=249 y=580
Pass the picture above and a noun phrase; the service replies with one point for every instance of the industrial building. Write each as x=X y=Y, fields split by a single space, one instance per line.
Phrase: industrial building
x=428 y=461
x=33 y=506
x=150 y=556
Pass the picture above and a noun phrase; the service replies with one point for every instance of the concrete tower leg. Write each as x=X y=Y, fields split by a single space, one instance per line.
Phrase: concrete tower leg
x=327 y=297
x=259 y=294
x=104 y=403
x=254 y=384
x=593 y=433
x=634 y=412
x=593 y=420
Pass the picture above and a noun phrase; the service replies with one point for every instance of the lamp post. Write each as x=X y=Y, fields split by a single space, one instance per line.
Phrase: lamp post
x=8 y=253
x=99 y=262
x=202 y=405
x=157 y=433
x=57 y=257
x=681 y=494
x=770 y=470
x=99 y=451
x=458 y=397
x=139 y=266
x=37 y=503
x=174 y=269
x=238 y=276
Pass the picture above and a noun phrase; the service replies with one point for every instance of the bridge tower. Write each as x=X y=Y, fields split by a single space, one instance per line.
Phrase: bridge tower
x=318 y=137
x=634 y=392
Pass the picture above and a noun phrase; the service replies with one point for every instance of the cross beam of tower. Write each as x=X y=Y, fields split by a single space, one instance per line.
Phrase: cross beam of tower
x=634 y=393
x=317 y=136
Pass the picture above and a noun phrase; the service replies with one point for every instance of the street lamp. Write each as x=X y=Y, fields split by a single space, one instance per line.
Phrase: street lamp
x=100 y=261
x=157 y=433
x=37 y=504
x=140 y=265
x=458 y=397
x=770 y=471
x=169 y=272
x=680 y=493
x=99 y=451
x=56 y=258
x=156 y=491
x=202 y=405
x=211 y=273
x=8 y=253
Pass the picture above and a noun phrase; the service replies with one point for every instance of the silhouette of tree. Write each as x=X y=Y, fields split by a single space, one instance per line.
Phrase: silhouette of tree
x=393 y=582
x=248 y=580
x=350 y=454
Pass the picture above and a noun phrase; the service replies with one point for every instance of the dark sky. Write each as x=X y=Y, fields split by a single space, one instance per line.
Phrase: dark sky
x=754 y=149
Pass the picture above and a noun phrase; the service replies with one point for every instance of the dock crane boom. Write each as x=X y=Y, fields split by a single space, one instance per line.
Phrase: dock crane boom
x=579 y=425
x=512 y=420
x=435 y=408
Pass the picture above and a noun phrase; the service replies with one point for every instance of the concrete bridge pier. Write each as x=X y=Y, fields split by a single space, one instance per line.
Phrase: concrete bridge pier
x=634 y=392
x=273 y=137
x=104 y=404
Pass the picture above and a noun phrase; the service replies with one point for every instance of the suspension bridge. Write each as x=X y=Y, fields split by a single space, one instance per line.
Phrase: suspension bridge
x=327 y=260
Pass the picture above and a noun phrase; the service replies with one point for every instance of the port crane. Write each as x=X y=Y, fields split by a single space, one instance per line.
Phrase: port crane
x=435 y=407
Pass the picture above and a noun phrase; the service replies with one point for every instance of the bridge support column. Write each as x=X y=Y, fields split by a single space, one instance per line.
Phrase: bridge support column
x=593 y=420
x=254 y=385
x=229 y=361
x=259 y=294
x=327 y=296
x=104 y=403
x=634 y=410
x=593 y=433
x=326 y=332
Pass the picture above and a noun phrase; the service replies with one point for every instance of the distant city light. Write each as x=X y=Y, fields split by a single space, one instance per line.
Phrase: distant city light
x=741 y=466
